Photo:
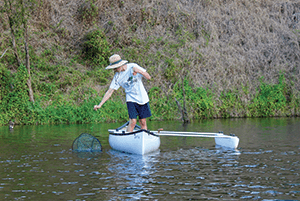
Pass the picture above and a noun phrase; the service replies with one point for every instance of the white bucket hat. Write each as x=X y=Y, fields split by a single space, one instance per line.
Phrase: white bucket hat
x=115 y=62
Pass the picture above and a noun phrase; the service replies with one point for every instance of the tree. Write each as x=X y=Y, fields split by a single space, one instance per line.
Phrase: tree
x=18 y=13
x=24 y=18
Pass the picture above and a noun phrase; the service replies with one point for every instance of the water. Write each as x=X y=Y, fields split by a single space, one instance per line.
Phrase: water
x=36 y=163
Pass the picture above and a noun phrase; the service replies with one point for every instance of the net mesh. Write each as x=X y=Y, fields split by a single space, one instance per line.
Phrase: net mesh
x=86 y=143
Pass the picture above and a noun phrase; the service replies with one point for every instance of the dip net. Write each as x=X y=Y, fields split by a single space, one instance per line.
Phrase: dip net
x=86 y=143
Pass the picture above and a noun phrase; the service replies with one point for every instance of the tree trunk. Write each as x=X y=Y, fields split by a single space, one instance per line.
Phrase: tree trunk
x=184 y=112
x=17 y=21
x=28 y=63
x=13 y=40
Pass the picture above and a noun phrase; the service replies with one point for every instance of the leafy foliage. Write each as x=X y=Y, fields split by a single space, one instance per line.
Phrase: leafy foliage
x=270 y=99
x=162 y=106
x=96 y=48
x=199 y=101
x=231 y=104
x=14 y=100
x=5 y=83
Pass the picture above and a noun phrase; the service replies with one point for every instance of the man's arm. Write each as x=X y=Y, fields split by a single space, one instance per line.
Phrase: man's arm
x=144 y=73
x=107 y=95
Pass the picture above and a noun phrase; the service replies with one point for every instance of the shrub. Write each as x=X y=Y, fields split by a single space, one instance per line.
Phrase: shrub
x=269 y=100
x=14 y=104
x=96 y=48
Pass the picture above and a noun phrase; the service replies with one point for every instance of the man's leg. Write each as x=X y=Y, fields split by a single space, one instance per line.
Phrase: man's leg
x=143 y=123
x=132 y=112
x=131 y=125
x=144 y=112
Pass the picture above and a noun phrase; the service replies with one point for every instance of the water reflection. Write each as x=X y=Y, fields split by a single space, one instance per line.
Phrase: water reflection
x=132 y=172
x=87 y=155
x=151 y=175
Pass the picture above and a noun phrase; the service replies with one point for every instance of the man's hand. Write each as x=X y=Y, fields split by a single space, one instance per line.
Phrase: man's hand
x=96 y=107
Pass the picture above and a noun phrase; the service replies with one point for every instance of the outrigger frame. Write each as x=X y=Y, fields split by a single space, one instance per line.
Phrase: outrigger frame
x=230 y=141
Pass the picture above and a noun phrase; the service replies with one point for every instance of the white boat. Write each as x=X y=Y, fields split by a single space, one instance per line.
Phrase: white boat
x=143 y=141
x=139 y=142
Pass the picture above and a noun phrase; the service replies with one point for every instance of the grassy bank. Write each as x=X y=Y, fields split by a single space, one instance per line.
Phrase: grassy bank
x=214 y=59
x=269 y=101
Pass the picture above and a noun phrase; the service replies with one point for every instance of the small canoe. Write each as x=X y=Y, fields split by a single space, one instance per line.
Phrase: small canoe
x=139 y=142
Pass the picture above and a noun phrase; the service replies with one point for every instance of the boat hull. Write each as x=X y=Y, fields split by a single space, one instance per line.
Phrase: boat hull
x=140 y=143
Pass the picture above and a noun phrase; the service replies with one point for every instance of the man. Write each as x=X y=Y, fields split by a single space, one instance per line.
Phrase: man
x=129 y=76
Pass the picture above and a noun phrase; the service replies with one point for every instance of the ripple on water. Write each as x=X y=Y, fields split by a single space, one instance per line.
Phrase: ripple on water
x=183 y=174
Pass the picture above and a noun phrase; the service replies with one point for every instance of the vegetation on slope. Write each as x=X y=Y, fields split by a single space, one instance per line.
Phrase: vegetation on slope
x=212 y=58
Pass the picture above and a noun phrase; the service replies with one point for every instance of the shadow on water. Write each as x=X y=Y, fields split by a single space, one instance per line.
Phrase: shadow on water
x=37 y=163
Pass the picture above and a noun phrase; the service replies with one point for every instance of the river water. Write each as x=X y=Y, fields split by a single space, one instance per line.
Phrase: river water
x=37 y=163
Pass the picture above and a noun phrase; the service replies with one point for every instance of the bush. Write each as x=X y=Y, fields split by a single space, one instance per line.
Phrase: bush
x=270 y=99
x=14 y=102
x=96 y=49
x=5 y=83
x=162 y=106
x=199 y=101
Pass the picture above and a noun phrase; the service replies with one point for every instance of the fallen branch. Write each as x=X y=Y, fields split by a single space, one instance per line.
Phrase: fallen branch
x=4 y=53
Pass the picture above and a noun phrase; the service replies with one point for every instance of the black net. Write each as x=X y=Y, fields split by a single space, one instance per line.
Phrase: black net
x=86 y=143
